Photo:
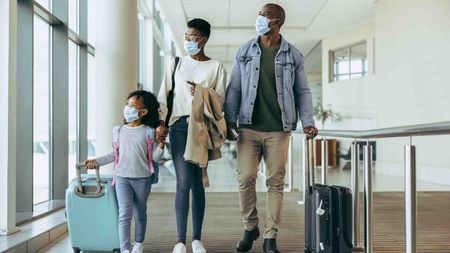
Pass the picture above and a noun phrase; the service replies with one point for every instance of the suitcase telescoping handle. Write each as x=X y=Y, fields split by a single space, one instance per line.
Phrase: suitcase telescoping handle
x=310 y=164
x=80 y=165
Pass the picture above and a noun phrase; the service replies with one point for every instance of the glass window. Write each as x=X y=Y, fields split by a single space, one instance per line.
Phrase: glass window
x=349 y=62
x=41 y=110
x=91 y=22
x=44 y=3
x=73 y=15
x=91 y=106
x=73 y=91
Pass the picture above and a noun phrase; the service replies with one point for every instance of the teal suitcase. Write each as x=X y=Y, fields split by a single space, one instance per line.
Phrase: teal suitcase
x=92 y=213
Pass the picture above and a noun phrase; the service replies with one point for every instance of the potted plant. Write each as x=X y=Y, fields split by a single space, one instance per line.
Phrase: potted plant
x=323 y=114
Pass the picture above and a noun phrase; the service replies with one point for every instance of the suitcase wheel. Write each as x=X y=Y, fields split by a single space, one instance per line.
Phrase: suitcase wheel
x=76 y=250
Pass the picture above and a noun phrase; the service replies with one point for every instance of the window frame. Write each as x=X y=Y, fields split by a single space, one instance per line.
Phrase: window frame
x=56 y=16
x=333 y=64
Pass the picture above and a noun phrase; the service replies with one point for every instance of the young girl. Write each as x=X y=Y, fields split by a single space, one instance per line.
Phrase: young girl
x=132 y=152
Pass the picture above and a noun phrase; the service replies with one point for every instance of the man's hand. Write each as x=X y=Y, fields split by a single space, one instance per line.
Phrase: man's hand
x=230 y=128
x=310 y=132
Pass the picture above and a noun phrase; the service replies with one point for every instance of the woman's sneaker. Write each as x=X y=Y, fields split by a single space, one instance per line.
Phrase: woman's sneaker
x=137 y=248
x=197 y=247
x=179 y=248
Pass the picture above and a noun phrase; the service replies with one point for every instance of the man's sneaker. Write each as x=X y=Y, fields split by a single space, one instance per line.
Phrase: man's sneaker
x=126 y=251
x=137 y=248
x=197 y=247
x=179 y=248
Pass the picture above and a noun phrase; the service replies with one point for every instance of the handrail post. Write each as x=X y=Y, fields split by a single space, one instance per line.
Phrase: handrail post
x=368 y=197
x=290 y=165
x=355 y=196
x=410 y=198
x=324 y=161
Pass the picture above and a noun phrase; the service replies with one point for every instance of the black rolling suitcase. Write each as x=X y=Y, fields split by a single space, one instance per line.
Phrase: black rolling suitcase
x=328 y=214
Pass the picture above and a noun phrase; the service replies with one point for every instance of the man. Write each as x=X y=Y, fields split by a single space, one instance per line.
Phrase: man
x=267 y=90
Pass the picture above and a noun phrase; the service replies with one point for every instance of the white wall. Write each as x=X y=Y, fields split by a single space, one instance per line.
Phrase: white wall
x=408 y=81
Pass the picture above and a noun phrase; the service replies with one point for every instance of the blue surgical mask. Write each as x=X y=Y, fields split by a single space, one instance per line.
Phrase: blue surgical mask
x=262 y=25
x=191 y=47
x=130 y=113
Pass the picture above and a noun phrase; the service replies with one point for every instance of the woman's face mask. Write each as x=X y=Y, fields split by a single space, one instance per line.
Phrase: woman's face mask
x=191 y=47
x=130 y=113
x=262 y=25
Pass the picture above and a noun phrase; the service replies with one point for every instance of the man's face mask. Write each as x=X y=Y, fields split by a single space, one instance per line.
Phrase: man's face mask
x=262 y=25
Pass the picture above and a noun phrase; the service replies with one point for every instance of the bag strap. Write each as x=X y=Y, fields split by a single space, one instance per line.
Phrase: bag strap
x=177 y=60
x=171 y=94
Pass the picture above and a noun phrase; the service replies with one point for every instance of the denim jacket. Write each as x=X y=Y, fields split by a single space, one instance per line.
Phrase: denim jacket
x=293 y=92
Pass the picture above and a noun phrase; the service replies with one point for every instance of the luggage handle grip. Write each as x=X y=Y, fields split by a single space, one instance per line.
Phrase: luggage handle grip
x=310 y=163
x=78 y=167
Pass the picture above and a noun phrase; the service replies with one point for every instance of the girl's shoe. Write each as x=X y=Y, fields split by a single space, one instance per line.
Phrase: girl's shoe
x=179 y=248
x=197 y=247
x=137 y=248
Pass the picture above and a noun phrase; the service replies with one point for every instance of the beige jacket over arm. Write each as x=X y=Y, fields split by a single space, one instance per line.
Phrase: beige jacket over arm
x=207 y=128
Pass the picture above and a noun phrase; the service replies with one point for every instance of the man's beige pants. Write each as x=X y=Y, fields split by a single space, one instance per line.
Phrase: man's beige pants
x=273 y=147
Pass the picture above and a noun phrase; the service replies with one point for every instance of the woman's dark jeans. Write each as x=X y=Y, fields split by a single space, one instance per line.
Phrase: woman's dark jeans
x=189 y=177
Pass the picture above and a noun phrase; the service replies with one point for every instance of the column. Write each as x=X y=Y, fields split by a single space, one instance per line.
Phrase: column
x=8 y=57
x=116 y=64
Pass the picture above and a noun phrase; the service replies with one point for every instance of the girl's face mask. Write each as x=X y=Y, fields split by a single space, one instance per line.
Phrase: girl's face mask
x=130 y=113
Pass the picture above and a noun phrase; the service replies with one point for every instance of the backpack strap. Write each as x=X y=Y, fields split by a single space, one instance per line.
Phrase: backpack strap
x=150 y=141
x=115 y=145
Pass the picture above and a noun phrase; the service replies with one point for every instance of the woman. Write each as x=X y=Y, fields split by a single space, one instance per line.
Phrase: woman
x=193 y=69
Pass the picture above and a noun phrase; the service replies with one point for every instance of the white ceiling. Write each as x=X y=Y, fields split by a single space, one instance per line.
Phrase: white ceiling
x=232 y=21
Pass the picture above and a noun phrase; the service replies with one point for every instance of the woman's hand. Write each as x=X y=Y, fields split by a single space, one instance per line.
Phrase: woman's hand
x=193 y=85
x=161 y=133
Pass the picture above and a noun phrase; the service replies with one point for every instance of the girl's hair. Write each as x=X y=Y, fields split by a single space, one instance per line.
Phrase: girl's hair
x=151 y=104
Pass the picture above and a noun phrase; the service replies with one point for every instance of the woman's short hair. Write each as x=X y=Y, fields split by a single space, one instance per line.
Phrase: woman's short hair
x=200 y=24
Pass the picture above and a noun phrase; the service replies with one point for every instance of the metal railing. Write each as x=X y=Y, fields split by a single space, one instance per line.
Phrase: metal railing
x=439 y=128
